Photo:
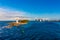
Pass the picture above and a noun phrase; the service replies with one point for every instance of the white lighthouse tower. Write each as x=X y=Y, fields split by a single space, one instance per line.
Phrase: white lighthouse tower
x=17 y=20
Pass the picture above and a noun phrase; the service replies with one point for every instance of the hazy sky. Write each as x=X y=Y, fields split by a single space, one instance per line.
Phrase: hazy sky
x=31 y=8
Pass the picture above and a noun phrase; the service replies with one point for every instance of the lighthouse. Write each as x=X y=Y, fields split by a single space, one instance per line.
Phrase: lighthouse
x=17 y=20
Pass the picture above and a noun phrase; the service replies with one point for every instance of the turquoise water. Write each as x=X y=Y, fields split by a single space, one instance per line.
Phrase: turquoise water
x=32 y=31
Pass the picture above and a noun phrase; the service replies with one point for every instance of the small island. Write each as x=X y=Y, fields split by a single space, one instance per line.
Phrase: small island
x=17 y=23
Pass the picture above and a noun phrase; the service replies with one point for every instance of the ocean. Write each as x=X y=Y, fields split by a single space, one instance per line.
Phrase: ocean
x=33 y=30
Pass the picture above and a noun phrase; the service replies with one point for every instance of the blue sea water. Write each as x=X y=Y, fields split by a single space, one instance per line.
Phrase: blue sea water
x=34 y=30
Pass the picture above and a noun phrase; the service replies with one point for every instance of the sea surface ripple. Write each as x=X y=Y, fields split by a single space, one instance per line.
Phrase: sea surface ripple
x=34 y=30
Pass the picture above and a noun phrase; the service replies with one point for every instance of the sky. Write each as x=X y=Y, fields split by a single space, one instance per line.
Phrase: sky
x=30 y=8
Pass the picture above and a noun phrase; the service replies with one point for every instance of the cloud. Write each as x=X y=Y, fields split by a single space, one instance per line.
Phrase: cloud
x=7 y=12
x=4 y=13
